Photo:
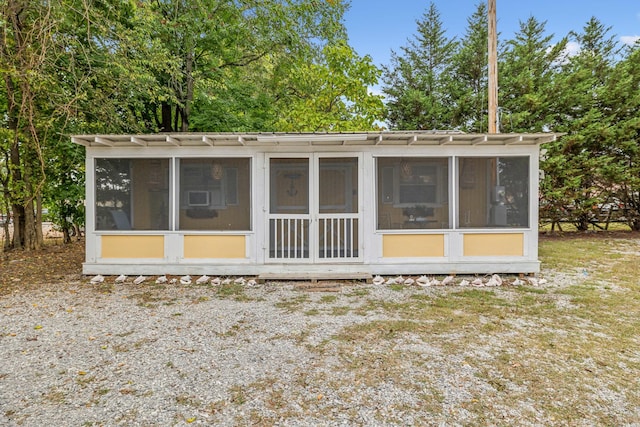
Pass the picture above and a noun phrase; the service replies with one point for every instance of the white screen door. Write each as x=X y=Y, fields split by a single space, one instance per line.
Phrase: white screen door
x=314 y=209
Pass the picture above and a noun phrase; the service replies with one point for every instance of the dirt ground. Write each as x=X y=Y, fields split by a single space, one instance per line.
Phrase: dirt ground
x=52 y=264
x=563 y=354
x=58 y=262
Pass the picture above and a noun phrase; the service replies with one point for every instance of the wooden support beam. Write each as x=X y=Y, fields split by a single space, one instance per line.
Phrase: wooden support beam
x=173 y=141
x=493 y=69
x=479 y=140
x=515 y=140
x=293 y=276
x=446 y=140
x=139 y=141
x=104 y=141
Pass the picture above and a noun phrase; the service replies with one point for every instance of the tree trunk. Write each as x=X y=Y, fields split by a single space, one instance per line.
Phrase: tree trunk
x=21 y=104
x=66 y=236
x=17 y=240
x=165 y=125
x=6 y=245
x=38 y=222
x=186 y=109
x=30 y=226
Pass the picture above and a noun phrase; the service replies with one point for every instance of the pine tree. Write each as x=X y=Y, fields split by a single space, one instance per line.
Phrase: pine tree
x=468 y=83
x=527 y=69
x=621 y=174
x=417 y=97
x=575 y=164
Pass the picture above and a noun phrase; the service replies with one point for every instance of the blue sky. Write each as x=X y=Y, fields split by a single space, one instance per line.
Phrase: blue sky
x=377 y=26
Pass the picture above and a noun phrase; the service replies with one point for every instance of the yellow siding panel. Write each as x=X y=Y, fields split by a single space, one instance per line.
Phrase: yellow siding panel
x=227 y=246
x=497 y=244
x=412 y=245
x=132 y=246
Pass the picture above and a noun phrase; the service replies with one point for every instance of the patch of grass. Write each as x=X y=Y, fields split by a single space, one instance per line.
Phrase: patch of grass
x=232 y=331
x=55 y=396
x=84 y=380
x=233 y=291
x=120 y=348
x=238 y=395
x=148 y=299
x=328 y=299
x=299 y=337
x=216 y=406
x=340 y=311
x=105 y=287
x=188 y=400
x=293 y=304
x=552 y=355
x=358 y=292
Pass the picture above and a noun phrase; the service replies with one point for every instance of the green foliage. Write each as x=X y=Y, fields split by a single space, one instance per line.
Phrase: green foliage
x=527 y=69
x=621 y=171
x=468 y=84
x=574 y=168
x=591 y=95
x=415 y=82
x=128 y=66
x=333 y=94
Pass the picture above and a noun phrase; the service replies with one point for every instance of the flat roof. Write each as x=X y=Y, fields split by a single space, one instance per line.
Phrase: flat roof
x=385 y=138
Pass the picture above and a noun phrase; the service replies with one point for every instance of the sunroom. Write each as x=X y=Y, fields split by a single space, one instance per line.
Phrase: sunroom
x=312 y=204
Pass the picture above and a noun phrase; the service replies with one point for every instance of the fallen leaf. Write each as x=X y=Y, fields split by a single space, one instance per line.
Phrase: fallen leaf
x=37 y=327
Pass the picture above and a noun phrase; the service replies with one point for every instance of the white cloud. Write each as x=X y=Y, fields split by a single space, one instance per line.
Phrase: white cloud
x=572 y=49
x=630 y=40
x=377 y=90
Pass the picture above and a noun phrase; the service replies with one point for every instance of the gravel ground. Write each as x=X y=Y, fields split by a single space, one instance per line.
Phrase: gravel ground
x=78 y=354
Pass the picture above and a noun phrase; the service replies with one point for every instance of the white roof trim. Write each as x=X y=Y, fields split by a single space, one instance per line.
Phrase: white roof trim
x=393 y=138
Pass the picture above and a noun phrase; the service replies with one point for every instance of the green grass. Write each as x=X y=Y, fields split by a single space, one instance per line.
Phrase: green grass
x=293 y=304
x=234 y=292
x=563 y=350
x=555 y=355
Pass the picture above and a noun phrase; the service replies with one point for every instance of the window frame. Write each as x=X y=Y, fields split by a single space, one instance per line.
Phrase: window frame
x=124 y=220
x=229 y=193
x=443 y=187
x=492 y=191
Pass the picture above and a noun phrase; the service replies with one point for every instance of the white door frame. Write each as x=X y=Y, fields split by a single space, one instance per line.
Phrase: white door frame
x=307 y=226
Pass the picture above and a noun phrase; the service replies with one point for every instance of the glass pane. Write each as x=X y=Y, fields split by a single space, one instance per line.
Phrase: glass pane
x=413 y=193
x=132 y=194
x=338 y=186
x=289 y=186
x=215 y=194
x=493 y=192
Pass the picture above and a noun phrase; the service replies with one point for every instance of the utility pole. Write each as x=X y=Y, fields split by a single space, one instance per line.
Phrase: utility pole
x=493 y=69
